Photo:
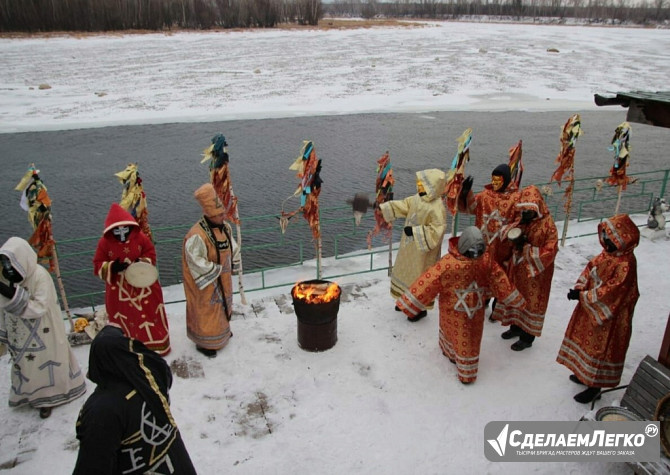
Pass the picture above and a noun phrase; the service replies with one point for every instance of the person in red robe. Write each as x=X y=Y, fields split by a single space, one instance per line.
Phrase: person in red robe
x=464 y=279
x=139 y=312
x=530 y=269
x=596 y=340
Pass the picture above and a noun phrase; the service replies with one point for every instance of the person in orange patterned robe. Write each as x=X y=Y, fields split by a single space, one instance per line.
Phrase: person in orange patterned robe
x=208 y=256
x=596 y=340
x=464 y=279
x=139 y=312
x=530 y=268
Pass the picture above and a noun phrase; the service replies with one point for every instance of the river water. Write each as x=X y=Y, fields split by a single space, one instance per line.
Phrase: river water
x=78 y=166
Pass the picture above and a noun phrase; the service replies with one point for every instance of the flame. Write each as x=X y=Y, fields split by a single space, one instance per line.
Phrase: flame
x=316 y=293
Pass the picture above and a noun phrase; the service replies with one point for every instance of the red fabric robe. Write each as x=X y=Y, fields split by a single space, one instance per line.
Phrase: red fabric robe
x=463 y=285
x=531 y=268
x=596 y=340
x=139 y=312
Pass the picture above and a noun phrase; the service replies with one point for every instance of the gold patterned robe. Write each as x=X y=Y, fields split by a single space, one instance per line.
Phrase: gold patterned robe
x=463 y=285
x=531 y=268
x=596 y=340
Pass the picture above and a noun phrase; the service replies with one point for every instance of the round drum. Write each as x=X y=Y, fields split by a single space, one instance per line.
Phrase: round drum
x=513 y=234
x=614 y=413
x=662 y=415
x=141 y=274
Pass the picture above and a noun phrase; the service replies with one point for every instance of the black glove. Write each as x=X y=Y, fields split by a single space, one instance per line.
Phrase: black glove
x=408 y=231
x=520 y=241
x=573 y=294
x=7 y=290
x=118 y=266
x=467 y=185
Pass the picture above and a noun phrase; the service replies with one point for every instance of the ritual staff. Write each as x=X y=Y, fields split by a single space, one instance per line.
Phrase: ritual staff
x=464 y=278
x=423 y=231
x=597 y=337
x=126 y=426
x=208 y=256
x=530 y=269
x=139 y=312
x=493 y=208
x=45 y=372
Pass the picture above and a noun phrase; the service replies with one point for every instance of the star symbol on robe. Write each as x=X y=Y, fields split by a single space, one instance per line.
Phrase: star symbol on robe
x=497 y=220
x=462 y=294
x=30 y=357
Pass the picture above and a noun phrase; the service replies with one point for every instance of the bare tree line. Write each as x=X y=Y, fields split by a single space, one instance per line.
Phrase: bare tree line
x=645 y=12
x=108 y=15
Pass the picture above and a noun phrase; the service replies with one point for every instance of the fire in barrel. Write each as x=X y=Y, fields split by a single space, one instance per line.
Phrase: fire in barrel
x=316 y=303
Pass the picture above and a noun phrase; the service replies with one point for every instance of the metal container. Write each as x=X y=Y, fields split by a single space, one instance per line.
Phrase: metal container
x=317 y=322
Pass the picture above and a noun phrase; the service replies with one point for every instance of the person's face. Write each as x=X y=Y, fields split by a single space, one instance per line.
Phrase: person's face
x=218 y=219
x=496 y=182
x=419 y=187
x=8 y=271
x=608 y=243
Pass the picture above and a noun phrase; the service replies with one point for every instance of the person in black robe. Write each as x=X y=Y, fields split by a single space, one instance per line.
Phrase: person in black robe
x=125 y=426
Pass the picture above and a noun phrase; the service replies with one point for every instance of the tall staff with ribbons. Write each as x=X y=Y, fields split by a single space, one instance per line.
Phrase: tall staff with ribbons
x=219 y=174
x=456 y=175
x=133 y=198
x=308 y=167
x=515 y=166
x=36 y=201
x=566 y=165
x=383 y=193
x=621 y=148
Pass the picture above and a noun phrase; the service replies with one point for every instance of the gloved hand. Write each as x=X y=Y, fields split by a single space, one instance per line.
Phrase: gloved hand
x=118 y=266
x=573 y=294
x=408 y=231
x=467 y=185
x=7 y=290
x=520 y=241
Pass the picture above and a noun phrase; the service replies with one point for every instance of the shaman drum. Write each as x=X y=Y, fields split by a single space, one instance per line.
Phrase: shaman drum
x=614 y=413
x=514 y=234
x=141 y=274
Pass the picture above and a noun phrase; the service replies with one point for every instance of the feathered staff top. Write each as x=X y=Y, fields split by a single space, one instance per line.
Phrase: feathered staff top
x=383 y=193
x=515 y=166
x=456 y=174
x=133 y=198
x=35 y=199
x=308 y=167
x=566 y=157
x=219 y=174
x=621 y=148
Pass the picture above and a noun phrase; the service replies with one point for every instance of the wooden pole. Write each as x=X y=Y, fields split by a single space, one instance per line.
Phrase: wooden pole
x=391 y=254
x=318 y=257
x=618 y=201
x=568 y=208
x=240 y=273
x=61 y=289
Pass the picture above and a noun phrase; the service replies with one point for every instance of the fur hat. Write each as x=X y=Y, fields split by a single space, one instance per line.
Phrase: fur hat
x=471 y=237
x=503 y=171
x=208 y=200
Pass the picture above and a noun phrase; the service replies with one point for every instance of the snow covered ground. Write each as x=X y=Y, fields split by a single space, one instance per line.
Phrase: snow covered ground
x=383 y=399
x=159 y=78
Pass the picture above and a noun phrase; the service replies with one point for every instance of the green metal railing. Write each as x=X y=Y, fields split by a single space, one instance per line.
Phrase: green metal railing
x=266 y=251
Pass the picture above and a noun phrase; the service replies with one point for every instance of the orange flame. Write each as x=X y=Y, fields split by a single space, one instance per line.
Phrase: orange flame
x=316 y=293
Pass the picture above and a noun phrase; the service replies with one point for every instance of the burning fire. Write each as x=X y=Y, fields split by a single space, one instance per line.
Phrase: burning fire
x=316 y=293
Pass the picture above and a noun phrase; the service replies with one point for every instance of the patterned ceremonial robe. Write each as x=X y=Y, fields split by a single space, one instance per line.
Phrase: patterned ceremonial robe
x=463 y=284
x=427 y=216
x=45 y=372
x=531 y=268
x=596 y=340
x=493 y=210
x=206 y=268
x=139 y=312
